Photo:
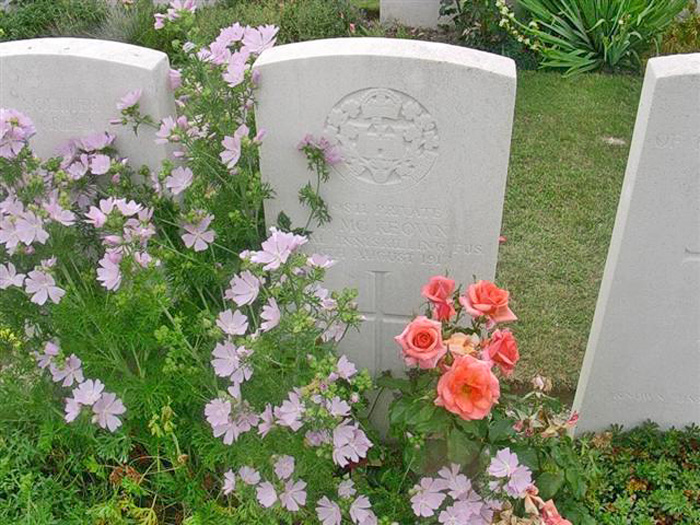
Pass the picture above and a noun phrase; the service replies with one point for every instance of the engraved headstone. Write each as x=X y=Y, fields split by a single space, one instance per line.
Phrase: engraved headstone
x=424 y=131
x=70 y=87
x=643 y=356
x=413 y=13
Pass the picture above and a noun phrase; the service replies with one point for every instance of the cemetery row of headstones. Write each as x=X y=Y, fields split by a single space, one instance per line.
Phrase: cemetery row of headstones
x=424 y=131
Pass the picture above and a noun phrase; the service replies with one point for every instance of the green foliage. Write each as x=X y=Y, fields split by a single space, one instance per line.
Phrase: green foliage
x=592 y=35
x=298 y=20
x=644 y=476
x=35 y=18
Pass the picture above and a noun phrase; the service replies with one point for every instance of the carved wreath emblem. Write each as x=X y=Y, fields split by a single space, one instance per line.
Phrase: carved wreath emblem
x=385 y=137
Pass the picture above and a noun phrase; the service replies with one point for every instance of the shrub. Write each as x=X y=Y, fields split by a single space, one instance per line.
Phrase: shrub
x=683 y=36
x=591 y=35
x=477 y=25
x=644 y=475
x=35 y=18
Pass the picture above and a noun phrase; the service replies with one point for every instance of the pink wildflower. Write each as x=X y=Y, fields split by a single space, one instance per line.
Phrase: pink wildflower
x=232 y=147
x=70 y=372
x=266 y=494
x=100 y=164
x=109 y=272
x=198 y=236
x=346 y=489
x=179 y=180
x=72 y=410
x=290 y=412
x=15 y=131
x=328 y=512
x=229 y=482
x=45 y=359
x=249 y=475
x=350 y=444
x=361 y=513
x=345 y=368
x=232 y=323
x=88 y=392
x=294 y=495
x=284 y=467
x=129 y=100
x=244 y=288
x=277 y=249
x=106 y=410
x=29 y=228
x=270 y=315
x=217 y=412
x=260 y=39
x=42 y=287
x=267 y=421
x=10 y=277
x=428 y=496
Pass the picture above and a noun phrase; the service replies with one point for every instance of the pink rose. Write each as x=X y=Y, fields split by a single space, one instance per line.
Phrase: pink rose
x=486 y=299
x=468 y=389
x=551 y=515
x=502 y=349
x=439 y=292
x=421 y=342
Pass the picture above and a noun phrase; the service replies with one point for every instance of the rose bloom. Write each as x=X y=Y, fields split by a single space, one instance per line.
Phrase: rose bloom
x=486 y=299
x=502 y=349
x=421 y=342
x=439 y=292
x=468 y=389
x=551 y=515
x=462 y=344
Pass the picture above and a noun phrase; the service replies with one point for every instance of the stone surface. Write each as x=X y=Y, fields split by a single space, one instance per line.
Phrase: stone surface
x=424 y=130
x=643 y=356
x=70 y=86
x=413 y=13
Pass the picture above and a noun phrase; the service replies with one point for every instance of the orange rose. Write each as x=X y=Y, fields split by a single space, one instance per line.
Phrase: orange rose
x=502 y=349
x=487 y=299
x=468 y=389
x=462 y=344
x=421 y=342
x=439 y=292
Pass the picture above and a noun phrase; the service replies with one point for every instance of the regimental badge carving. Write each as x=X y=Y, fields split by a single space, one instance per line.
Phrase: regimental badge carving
x=386 y=137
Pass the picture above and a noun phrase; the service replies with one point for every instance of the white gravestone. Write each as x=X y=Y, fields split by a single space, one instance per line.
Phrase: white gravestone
x=424 y=130
x=643 y=355
x=413 y=13
x=69 y=87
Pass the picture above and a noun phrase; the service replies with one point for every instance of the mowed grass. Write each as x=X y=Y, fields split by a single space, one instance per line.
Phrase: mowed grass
x=563 y=188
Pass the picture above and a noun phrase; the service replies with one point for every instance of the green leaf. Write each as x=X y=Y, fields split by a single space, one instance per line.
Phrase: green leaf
x=394 y=383
x=475 y=429
x=461 y=448
x=284 y=222
x=576 y=482
x=527 y=456
x=500 y=430
x=549 y=484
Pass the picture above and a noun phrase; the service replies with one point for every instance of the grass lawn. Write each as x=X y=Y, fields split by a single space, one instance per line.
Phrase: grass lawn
x=563 y=189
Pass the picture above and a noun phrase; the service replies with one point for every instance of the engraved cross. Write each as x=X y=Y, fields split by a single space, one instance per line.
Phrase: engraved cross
x=379 y=317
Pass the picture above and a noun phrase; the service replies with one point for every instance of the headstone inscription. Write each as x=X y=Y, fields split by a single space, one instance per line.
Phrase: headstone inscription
x=424 y=132
x=643 y=355
x=69 y=87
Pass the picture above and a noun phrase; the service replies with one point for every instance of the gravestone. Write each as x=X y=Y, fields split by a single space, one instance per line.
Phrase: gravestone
x=643 y=355
x=424 y=130
x=69 y=87
x=413 y=13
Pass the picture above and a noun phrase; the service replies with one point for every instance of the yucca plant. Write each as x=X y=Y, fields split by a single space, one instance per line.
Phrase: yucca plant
x=592 y=35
